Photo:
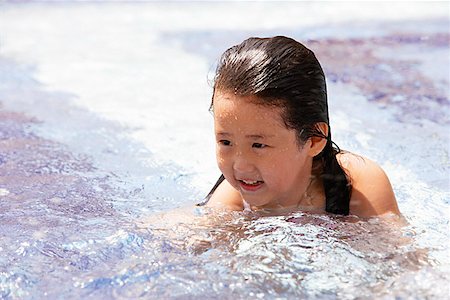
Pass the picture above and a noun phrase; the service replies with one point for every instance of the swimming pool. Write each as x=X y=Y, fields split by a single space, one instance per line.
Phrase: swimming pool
x=104 y=124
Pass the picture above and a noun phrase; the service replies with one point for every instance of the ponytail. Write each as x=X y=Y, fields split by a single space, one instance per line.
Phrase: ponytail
x=335 y=182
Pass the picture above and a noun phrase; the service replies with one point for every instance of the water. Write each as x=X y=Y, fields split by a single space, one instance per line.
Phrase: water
x=105 y=133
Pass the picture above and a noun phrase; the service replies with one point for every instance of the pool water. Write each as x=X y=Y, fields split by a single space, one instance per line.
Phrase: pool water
x=106 y=144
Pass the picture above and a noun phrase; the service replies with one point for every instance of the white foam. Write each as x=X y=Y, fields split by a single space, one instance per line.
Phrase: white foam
x=4 y=192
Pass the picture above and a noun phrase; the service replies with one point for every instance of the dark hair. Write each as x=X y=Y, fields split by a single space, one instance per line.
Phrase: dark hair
x=282 y=72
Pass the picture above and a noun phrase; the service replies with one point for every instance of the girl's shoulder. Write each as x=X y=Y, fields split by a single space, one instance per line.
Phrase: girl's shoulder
x=372 y=192
x=226 y=197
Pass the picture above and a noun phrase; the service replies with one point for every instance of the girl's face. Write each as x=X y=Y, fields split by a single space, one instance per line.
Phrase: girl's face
x=257 y=154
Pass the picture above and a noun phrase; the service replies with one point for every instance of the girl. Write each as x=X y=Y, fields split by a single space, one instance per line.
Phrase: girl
x=273 y=136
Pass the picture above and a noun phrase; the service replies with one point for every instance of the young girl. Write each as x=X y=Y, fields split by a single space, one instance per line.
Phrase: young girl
x=273 y=136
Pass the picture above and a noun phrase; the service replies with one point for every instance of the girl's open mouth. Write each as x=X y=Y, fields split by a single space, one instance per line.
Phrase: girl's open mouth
x=250 y=185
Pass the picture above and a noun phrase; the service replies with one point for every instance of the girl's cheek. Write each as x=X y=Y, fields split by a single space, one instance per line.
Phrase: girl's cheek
x=221 y=161
x=221 y=151
x=219 y=155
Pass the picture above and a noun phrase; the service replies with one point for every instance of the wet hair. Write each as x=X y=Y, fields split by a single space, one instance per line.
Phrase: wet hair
x=282 y=72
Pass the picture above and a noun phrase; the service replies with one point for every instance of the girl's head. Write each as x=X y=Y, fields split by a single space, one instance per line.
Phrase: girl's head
x=274 y=87
x=280 y=72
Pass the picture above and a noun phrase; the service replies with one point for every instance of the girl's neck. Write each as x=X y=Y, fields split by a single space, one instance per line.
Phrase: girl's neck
x=312 y=199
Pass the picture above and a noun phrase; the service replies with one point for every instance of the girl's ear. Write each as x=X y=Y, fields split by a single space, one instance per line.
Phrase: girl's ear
x=318 y=143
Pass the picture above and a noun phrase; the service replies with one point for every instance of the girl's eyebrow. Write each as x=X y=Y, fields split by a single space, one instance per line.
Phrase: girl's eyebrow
x=223 y=134
x=259 y=136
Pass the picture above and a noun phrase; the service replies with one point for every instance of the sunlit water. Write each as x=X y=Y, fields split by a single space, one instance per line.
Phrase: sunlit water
x=104 y=131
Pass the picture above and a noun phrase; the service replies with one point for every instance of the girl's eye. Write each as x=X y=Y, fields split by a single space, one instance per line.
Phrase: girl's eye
x=258 y=145
x=225 y=142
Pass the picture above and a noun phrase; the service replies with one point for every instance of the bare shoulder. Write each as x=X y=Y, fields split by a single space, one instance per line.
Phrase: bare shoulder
x=372 y=193
x=226 y=197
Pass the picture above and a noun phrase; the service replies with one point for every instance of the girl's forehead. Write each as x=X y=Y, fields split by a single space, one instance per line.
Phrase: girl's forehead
x=241 y=116
x=226 y=105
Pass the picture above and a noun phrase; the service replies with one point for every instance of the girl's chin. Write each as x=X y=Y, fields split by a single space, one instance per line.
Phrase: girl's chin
x=257 y=202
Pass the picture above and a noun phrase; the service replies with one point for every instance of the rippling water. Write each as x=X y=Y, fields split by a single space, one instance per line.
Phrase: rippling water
x=104 y=134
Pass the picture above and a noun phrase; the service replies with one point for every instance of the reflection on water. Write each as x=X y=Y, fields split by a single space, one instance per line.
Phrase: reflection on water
x=86 y=209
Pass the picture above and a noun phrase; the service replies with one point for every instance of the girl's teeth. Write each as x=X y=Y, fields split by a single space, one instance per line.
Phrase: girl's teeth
x=250 y=182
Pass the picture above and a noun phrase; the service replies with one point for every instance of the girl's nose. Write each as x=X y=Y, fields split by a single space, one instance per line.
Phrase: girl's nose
x=242 y=165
